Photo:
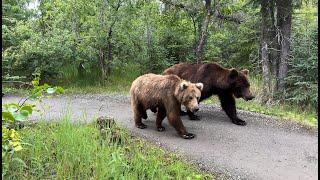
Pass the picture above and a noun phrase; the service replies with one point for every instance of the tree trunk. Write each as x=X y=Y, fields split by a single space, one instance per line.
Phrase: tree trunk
x=152 y=65
x=265 y=25
x=195 y=35
x=275 y=56
x=203 y=37
x=284 y=8
x=273 y=49
x=76 y=31
x=101 y=44
x=102 y=63
x=110 y=57
x=109 y=41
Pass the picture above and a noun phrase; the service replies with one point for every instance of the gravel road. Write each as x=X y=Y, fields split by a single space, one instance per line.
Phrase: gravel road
x=266 y=148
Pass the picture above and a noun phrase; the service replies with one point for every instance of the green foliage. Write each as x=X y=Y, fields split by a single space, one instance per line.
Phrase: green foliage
x=60 y=36
x=66 y=150
x=38 y=90
x=119 y=81
x=235 y=45
x=302 y=80
x=12 y=115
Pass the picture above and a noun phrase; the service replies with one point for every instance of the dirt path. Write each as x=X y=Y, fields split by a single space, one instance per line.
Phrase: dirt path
x=264 y=149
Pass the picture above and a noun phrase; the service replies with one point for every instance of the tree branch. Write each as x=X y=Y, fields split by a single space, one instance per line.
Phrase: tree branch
x=231 y=18
x=217 y=13
x=190 y=10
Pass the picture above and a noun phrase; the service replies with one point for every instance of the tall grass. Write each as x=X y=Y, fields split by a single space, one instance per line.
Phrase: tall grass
x=119 y=80
x=74 y=151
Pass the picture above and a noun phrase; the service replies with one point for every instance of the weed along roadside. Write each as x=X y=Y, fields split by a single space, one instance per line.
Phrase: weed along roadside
x=101 y=151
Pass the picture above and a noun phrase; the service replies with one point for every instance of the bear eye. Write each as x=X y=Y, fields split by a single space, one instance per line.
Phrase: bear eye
x=190 y=97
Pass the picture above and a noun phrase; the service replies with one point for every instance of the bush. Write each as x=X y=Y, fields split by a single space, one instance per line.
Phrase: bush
x=302 y=80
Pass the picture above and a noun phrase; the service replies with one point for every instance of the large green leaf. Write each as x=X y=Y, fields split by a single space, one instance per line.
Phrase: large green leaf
x=51 y=90
x=13 y=108
x=27 y=108
x=7 y=116
x=21 y=116
x=59 y=90
x=25 y=113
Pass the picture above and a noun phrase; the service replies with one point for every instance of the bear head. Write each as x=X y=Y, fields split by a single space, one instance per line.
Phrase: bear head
x=189 y=95
x=239 y=84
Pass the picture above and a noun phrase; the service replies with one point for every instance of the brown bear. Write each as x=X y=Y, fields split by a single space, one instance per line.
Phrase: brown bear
x=226 y=83
x=165 y=93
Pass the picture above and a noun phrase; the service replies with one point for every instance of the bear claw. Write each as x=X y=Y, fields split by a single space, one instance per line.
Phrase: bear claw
x=188 y=136
x=160 y=129
x=194 y=117
x=141 y=126
x=239 y=122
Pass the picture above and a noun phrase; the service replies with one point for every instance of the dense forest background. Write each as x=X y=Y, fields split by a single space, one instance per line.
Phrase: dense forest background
x=94 y=42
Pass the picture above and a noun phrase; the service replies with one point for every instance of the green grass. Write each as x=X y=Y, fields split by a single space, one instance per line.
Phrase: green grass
x=10 y=90
x=74 y=151
x=118 y=82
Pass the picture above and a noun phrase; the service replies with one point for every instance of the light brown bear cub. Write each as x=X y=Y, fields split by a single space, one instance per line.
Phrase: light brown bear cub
x=167 y=93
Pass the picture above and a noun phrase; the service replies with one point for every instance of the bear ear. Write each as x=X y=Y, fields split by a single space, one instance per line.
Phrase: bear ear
x=184 y=85
x=245 y=72
x=233 y=74
x=199 y=86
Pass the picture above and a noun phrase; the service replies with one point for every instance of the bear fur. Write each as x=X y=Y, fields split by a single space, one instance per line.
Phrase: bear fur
x=166 y=93
x=226 y=83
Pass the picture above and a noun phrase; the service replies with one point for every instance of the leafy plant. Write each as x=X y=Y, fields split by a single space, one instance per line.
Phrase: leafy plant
x=302 y=80
x=14 y=114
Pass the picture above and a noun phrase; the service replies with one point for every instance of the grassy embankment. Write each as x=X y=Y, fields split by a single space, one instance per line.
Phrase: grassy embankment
x=74 y=151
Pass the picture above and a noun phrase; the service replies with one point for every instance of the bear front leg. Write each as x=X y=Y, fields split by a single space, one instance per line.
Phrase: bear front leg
x=228 y=104
x=138 y=114
x=175 y=120
x=160 y=116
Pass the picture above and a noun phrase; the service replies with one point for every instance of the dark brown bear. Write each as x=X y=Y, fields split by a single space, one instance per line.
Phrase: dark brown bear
x=166 y=93
x=226 y=83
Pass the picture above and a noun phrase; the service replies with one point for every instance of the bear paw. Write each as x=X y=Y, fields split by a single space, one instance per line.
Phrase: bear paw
x=160 y=129
x=194 y=117
x=239 y=122
x=188 y=136
x=141 y=126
